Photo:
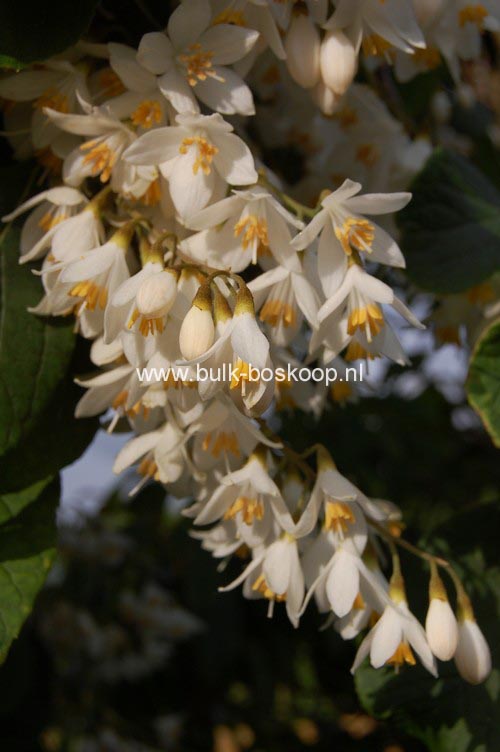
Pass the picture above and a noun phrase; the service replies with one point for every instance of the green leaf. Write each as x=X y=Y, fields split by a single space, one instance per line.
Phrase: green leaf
x=12 y=504
x=483 y=383
x=27 y=551
x=36 y=31
x=38 y=433
x=451 y=228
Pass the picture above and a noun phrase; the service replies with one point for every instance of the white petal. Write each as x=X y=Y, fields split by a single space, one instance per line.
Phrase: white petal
x=388 y=633
x=155 y=52
x=234 y=160
x=342 y=584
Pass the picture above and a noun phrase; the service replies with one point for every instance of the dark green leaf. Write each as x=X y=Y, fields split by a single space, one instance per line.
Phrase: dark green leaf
x=36 y=31
x=27 y=550
x=451 y=228
x=12 y=504
x=38 y=434
x=483 y=383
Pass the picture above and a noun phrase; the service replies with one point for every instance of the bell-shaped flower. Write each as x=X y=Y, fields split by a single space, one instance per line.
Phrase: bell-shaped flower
x=62 y=220
x=391 y=641
x=344 y=230
x=197 y=156
x=245 y=228
x=284 y=297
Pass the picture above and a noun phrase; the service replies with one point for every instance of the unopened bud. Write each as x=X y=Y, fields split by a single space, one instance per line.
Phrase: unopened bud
x=441 y=629
x=302 y=45
x=338 y=61
x=472 y=657
x=198 y=331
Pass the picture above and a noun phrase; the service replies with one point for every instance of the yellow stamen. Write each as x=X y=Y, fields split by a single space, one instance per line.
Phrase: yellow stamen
x=146 y=325
x=359 y=603
x=120 y=400
x=275 y=312
x=111 y=84
x=376 y=46
x=92 y=294
x=50 y=220
x=147 y=114
x=54 y=99
x=430 y=57
x=473 y=14
x=216 y=443
x=148 y=469
x=355 y=351
x=152 y=195
x=356 y=233
x=100 y=156
x=341 y=391
x=198 y=64
x=403 y=654
x=260 y=586
x=251 y=228
x=360 y=318
x=338 y=515
x=229 y=16
x=251 y=509
x=206 y=153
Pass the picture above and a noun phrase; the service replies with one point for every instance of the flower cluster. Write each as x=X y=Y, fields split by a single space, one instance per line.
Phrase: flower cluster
x=173 y=246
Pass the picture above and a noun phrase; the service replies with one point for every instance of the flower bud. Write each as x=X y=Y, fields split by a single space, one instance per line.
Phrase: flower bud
x=156 y=295
x=441 y=629
x=302 y=45
x=440 y=624
x=473 y=657
x=338 y=61
x=198 y=331
x=325 y=98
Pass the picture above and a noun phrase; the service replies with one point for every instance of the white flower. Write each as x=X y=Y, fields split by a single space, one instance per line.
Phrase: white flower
x=101 y=155
x=196 y=156
x=354 y=309
x=392 y=638
x=344 y=230
x=441 y=629
x=142 y=302
x=91 y=280
x=248 y=496
x=391 y=20
x=472 y=657
x=284 y=297
x=51 y=210
x=191 y=60
x=162 y=454
x=244 y=228
x=280 y=579
x=58 y=85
